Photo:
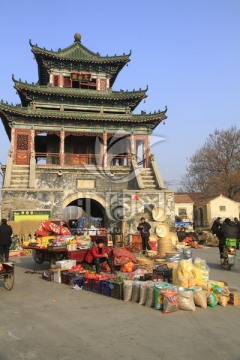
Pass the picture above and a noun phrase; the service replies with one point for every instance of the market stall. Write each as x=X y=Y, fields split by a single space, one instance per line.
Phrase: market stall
x=55 y=254
x=55 y=242
x=171 y=283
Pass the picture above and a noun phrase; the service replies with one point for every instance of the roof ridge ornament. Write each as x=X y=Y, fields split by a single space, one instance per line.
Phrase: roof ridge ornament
x=77 y=37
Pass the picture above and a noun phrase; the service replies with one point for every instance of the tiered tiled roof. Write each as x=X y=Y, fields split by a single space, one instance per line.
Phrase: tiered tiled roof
x=29 y=92
x=77 y=57
x=44 y=104
x=13 y=113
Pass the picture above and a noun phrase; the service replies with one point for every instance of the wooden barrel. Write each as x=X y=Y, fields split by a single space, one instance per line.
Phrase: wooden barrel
x=162 y=230
x=158 y=214
x=164 y=246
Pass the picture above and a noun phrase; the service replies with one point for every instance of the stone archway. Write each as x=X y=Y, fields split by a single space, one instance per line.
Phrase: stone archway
x=91 y=204
x=80 y=195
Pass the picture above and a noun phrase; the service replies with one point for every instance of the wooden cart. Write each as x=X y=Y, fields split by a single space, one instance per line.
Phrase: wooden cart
x=52 y=255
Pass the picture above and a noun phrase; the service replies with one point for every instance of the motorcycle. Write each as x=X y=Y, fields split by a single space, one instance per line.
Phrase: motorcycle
x=229 y=253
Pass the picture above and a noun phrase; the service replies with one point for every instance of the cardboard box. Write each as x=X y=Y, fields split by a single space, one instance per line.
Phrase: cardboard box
x=236 y=298
x=66 y=264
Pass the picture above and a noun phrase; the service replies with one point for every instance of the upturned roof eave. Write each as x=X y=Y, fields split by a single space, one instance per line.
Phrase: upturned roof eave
x=39 y=52
x=96 y=94
x=135 y=118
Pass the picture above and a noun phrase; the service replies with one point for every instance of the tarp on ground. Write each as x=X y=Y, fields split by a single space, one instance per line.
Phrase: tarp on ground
x=122 y=256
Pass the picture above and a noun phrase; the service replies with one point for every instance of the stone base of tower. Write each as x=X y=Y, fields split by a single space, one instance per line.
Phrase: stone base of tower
x=113 y=195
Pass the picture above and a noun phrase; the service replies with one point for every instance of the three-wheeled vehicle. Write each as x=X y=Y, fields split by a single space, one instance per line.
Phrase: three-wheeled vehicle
x=7 y=274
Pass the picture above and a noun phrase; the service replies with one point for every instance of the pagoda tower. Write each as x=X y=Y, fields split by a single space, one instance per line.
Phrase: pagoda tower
x=76 y=141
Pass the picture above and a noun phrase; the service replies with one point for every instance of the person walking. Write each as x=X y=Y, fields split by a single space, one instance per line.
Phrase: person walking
x=144 y=229
x=5 y=239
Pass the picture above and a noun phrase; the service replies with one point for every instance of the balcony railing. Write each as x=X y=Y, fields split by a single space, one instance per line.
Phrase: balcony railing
x=82 y=159
x=47 y=158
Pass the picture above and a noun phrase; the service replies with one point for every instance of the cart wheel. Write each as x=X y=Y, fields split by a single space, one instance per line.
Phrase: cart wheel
x=38 y=257
x=9 y=281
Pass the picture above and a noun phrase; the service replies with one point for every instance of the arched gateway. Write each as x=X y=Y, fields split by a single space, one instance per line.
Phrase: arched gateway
x=74 y=139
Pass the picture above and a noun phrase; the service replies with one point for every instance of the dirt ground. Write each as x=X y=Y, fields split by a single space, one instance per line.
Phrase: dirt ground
x=41 y=320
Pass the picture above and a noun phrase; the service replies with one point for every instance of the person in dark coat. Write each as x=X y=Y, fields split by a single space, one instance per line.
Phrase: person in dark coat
x=144 y=229
x=229 y=229
x=216 y=226
x=5 y=239
x=237 y=222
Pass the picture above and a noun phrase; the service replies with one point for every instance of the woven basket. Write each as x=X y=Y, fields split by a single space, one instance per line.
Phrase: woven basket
x=158 y=214
x=144 y=261
x=173 y=237
x=162 y=230
x=164 y=246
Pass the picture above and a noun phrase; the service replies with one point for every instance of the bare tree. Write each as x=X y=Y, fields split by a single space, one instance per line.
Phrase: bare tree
x=215 y=167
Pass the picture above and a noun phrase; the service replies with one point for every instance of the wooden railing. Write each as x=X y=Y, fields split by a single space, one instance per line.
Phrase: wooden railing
x=82 y=159
x=47 y=158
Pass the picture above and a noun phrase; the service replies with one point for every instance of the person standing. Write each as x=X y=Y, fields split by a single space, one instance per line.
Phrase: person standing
x=144 y=229
x=5 y=239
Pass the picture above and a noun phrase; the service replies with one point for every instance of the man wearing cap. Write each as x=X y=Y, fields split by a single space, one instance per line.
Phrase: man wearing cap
x=5 y=239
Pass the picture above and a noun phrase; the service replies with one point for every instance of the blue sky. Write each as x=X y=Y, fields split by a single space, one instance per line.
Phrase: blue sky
x=186 y=51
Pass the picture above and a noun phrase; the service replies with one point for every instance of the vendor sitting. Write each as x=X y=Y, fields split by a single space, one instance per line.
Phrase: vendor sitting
x=97 y=255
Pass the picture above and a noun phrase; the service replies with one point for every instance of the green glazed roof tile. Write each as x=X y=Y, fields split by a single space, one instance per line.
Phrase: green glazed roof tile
x=130 y=118
x=80 y=93
x=77 y=52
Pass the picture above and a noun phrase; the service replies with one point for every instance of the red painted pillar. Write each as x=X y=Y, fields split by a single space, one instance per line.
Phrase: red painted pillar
x=62 y=150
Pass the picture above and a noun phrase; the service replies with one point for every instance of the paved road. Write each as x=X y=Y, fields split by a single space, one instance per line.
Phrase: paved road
x=47 y=321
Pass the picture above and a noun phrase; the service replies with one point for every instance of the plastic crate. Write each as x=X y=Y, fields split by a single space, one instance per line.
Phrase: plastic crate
x=87 y=285
x=116 y=289
x=96 y=286
x=163 y=273
x=77 y=279
x=105 y=288
x=146 y=277
x=65 y=277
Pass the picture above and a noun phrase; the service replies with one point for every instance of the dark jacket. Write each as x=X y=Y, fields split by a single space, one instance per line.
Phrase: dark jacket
x=144 y=228
x=5 y=234
x=216 y=226
x=229 y=230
